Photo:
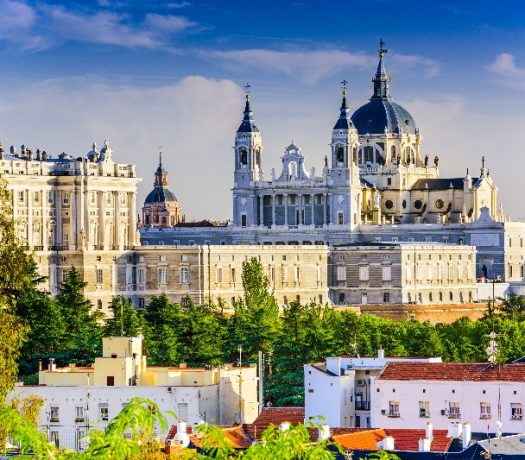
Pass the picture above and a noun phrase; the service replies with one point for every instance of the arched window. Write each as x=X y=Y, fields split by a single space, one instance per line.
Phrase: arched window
x=393 y=152
x=243 y=157
x=369 y=154
x=340 y=155
x=354 y=155
x=258 y=157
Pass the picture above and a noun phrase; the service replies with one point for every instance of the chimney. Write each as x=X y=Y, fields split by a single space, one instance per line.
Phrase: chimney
x=429 y=432
x=454 y=430
x=387 y=443
x=323 y=433
x=424 y=445
x=284 y=426
x=381 y=353
x=52 y=366
x=181 y=437
x=467 y=435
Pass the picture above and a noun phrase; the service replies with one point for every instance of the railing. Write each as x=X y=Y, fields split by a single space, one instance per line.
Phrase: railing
x=394 y=414
x=362 y=405
x=485 y=417
x=454 y=415
x=516 y=417
x=54 y=419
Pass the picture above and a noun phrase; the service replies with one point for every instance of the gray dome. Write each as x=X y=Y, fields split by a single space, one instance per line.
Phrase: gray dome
x=160 y=195
x=378 y=113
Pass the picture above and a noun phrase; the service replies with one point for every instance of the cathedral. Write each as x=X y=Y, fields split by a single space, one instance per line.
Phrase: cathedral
x=376 y=174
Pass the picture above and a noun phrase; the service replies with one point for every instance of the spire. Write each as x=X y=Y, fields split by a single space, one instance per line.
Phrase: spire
x=247 y=125
x=344 y=118
x=381 y=78
x=161 y=176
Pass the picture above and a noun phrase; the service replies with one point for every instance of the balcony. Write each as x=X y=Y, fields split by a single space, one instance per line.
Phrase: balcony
x=79 y=420
x=362 y=405
x=54 y=420
x=394 y=414
x=485 y=417
x=454 y=415
x=516 y=417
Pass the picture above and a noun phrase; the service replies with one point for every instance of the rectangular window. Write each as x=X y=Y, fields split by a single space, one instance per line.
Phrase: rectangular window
x=516 y=412
x=363 y=273
x=484 y=410
x=218 y=275
x=110 y=381
x=80 y=441
x=162 y=274
x=66 y=197
x=79 y=413
x=54 y=414
x=386 y=297
x=182 y=411
x=387 y=273
x=233 y=275
x=341 y=273
x=100 y=276
x=424 y=409
x=21 y=197
x=183 y=275
x=142 y=302
x=297 y=274
x=243 y=220
x=453 y=410
x=340 y=218
x=36 y=197
x=54 y=438
x=103 y=411
x=141 y=275
x=272 y=274
x=393 y=409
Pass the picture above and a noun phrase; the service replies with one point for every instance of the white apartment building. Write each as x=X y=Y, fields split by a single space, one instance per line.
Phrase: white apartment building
x=410 y=394
x=340 y=388
x=77 y=399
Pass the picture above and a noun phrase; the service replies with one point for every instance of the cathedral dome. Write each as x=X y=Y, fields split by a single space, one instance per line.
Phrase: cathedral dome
x=381 y=113
x=160 y=195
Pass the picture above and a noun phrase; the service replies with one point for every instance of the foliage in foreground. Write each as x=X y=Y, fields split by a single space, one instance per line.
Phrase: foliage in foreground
x=131 y=436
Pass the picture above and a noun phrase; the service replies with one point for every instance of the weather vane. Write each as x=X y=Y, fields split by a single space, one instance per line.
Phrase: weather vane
x=343 y=87
x=382 y=50
x=247 y=90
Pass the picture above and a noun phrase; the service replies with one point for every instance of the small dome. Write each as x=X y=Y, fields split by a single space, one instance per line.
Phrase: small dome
x=160 y=195
x=378 y=113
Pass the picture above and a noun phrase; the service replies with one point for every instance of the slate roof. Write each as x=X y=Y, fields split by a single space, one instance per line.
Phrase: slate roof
x=378 y=113
x=160 y=195
x=481 y=372
x=440 y=184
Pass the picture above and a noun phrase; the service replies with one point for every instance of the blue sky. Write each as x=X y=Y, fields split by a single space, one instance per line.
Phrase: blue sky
x=146 y=74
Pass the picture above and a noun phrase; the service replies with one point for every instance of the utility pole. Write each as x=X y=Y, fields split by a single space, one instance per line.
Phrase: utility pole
x=240 y=384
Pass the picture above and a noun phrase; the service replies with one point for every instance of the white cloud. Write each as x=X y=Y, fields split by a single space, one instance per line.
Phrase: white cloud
x=310 y=66
x=194 y=120
x=169 y=23
x=406 y=61
x=178 y=4
x=505 y=64
x=17 y=20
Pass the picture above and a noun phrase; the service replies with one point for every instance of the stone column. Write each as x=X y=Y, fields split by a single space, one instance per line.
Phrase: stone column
x=273 y=210
x=300 y=207
x=132 y=210
x=30 y=218
x=73 y=218
x=57 y=198
x=116 y=219
x=325 y=220
x=285 y=199
x=312 y=207
x=44 y=221
x=261 y=209
x=101 y=219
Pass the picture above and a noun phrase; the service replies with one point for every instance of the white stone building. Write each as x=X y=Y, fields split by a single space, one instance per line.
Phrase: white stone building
x=340 y=388
x=408 y=395
x=77 y=399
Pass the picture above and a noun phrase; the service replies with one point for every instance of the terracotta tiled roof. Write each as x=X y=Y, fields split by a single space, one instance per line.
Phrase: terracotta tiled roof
x=235 y=435
x=278 y=415
x=454 y=371
x=404 y=439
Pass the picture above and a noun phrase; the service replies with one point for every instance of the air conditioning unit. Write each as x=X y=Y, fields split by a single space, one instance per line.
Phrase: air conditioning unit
x=383 y=411
x=169 y=389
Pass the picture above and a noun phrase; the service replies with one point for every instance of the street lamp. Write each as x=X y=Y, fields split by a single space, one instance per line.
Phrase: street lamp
x=490 y=260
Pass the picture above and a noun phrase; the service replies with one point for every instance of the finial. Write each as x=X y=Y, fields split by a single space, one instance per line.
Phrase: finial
x=483 y=161
x=343 y=87
x=381 y=51
x=160 y=156
x=467 y=171
x=247 y=91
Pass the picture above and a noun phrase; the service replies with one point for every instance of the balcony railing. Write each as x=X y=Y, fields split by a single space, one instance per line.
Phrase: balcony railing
x=362 y=405
x=454 y=415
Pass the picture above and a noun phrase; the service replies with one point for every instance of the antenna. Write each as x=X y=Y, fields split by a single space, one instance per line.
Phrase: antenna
x=492 y=349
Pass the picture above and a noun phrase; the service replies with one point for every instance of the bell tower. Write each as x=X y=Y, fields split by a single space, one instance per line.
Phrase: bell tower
x=248 y=167
x=344 y=171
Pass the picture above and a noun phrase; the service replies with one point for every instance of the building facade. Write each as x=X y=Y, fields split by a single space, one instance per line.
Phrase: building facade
x=214 y=273
x=402 y=273
x=77 y=399
x=408 y=395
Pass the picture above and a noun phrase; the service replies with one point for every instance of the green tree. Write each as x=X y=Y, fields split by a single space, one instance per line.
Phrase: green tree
x=124 y=319
x=513 y=307
x=82 y=342
x=255 y=323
